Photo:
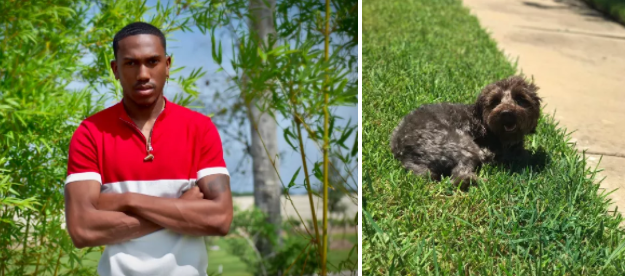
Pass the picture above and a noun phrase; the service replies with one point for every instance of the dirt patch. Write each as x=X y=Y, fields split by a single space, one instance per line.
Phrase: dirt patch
x=340 y=245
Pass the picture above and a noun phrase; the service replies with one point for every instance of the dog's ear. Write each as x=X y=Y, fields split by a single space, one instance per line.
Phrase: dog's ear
x=532 y=88
x=533 y=130
x=478 y=107
x=481 y=101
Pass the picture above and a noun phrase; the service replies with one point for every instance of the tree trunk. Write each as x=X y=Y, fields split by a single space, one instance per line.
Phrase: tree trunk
x=264 y=146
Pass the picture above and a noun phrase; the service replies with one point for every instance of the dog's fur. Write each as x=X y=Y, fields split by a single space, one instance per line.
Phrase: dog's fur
x=453 y=140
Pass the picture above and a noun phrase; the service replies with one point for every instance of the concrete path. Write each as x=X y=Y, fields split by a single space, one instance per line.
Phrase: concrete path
x=302 y=205
x=577 y=58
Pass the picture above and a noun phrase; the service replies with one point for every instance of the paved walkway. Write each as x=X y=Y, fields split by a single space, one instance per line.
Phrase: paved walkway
x=302 y=205
x=577 y=58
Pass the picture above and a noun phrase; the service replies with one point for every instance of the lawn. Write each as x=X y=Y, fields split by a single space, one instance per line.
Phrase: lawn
x=543 y=219
x=230 y=264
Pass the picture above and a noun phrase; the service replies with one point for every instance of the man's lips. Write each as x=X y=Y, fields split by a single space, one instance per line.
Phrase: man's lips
x=144 y=88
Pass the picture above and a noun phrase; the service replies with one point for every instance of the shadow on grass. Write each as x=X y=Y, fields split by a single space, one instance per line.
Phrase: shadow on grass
x=536 y=161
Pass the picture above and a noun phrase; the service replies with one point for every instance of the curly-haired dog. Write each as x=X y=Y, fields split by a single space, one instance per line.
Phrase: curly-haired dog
x=454 y=139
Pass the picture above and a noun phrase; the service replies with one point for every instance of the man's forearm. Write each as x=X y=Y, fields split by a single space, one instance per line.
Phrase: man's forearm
x=191 y=217
x=111 y=227
x=203 y=213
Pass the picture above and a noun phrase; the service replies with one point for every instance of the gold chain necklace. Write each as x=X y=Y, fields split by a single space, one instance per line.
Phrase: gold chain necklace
x=148 y=144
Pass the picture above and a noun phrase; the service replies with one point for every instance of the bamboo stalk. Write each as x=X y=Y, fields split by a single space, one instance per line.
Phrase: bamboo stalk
x=304 y=266
x=58 y=262
x=300 y=254
x=299 y=122
x=273 y=164
x=308 y=186
x=25 y=244
x=3 y=261
x=326 y=138
x=45 y=222
x=312 y=133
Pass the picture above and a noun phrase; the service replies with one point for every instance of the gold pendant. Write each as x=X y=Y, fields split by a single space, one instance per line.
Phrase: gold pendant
x=149 y=157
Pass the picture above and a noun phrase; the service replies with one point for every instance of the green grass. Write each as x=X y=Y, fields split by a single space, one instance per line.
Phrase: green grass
x=545 y=219
x=232 y=265
x=613 y=8
x=89 y=263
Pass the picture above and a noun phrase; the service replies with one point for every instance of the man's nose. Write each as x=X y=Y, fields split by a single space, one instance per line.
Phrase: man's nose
x=144 y=73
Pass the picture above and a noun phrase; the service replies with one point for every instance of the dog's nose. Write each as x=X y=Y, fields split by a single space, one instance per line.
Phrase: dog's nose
x=507 y=117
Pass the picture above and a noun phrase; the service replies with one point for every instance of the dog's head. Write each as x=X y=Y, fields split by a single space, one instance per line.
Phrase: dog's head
x=509 y=108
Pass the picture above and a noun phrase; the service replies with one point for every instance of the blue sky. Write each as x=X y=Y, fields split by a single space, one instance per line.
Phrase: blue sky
x=193 y=50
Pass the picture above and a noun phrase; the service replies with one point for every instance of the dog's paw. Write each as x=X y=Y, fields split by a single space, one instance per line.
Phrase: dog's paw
x=486 y=155
x=466 y=181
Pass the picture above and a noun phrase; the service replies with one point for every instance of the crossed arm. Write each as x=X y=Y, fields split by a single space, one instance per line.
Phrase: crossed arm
x=95 y=219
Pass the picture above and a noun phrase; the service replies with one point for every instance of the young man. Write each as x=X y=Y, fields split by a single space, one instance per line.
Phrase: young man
x=146 y=177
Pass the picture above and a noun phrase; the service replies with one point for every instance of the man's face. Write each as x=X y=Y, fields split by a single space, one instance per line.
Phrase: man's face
x=142 y=68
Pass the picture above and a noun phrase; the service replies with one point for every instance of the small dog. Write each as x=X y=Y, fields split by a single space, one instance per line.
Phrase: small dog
x=453 y=140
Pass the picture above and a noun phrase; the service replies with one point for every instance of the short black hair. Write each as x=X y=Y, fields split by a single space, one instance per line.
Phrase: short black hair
x=137 y=28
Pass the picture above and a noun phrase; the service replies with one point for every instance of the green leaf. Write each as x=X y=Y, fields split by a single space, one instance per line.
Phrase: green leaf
x=287 y=135
x=217 y=57
x=292 y=181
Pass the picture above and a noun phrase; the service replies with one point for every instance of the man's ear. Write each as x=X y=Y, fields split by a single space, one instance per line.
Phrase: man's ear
x=168 y=64
x=114 y=68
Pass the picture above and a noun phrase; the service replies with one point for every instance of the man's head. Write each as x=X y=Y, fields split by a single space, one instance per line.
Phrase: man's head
x=141 y=64
x=510 y=108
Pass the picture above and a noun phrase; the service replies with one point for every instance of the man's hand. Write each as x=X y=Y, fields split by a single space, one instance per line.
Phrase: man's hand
x=119 y=202
x=193 y=193
x=203 y=210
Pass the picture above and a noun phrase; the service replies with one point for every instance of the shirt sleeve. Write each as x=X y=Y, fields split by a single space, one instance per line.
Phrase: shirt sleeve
x=211 y=160
x=82 y=161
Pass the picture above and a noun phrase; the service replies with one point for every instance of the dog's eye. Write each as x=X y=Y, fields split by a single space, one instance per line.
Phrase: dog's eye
x=521 y=101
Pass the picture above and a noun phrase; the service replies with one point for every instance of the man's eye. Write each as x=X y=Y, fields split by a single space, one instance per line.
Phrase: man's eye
x=130 y=63
x=153 y=61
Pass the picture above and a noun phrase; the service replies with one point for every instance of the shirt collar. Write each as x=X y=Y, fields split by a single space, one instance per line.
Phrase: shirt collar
x=124 y=115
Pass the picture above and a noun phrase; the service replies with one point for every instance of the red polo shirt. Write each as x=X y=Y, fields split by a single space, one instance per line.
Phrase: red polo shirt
x=107 y=147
